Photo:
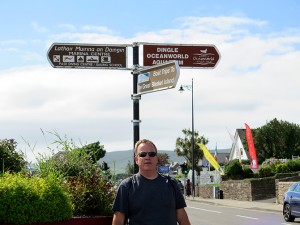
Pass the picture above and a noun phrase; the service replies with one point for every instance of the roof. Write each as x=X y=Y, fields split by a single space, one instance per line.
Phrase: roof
x=222 y=156
x=242 y=135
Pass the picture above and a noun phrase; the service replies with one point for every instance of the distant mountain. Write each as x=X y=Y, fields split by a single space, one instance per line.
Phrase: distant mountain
x=118 y=160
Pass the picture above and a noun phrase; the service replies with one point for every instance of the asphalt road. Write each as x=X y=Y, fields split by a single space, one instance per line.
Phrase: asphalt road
x=208 y=214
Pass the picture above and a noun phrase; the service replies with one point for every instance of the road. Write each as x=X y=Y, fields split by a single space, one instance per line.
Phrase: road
x=208 y=214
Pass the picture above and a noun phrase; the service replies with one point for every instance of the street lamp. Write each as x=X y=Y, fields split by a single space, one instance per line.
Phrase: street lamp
x=191 y=88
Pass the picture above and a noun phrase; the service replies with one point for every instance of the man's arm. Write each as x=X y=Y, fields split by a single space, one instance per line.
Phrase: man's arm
x=118 y=218
x=182 y=217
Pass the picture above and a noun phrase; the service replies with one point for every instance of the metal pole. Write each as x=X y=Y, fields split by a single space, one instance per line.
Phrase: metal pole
x=136 y=98
x=193 y=143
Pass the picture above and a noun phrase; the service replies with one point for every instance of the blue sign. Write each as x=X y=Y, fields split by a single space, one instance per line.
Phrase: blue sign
x=163 y=169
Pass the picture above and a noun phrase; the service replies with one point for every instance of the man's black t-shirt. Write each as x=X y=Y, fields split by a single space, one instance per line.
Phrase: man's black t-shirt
x=149 y=202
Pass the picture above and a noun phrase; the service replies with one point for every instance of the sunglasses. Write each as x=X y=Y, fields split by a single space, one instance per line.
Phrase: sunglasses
x=143 y=154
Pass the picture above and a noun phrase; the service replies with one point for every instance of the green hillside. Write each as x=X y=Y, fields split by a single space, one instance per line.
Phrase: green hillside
x=118 y=160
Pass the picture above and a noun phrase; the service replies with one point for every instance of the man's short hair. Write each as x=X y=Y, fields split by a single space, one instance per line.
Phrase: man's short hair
x=143 y=141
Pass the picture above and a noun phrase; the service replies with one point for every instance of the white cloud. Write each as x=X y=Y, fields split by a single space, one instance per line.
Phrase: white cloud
x=100 y=29
x=12 y=42
x=38 y=27
x=69 y=27
x=217 y=25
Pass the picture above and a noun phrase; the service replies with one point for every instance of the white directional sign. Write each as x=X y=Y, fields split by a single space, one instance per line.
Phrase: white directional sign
x=157 y=78
x=94 y=56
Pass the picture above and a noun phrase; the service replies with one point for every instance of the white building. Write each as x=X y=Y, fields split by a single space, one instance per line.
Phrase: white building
x=238 y=146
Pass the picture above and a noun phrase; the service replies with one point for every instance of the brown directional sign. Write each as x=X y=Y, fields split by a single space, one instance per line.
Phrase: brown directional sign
x=71 y=55
x=188 y=56
x=157 y=78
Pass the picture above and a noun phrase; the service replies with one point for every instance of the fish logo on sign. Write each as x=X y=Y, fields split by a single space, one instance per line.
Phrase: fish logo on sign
x=204 y=58
x=144 y=77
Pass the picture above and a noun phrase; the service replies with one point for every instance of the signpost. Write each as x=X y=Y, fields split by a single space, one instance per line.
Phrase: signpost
x=157 y=78
x=163 y=61
x=94 y=56
x=188 y=56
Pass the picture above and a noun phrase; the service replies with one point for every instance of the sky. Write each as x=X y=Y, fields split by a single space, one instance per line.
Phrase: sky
x=256 y=79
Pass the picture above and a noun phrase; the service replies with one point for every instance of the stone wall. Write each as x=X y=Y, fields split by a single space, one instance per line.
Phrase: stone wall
x=243 y=190
x=246 y=190
x=282 y=185
x=250 y=190
x=236 y=190
x=263 y=189
x=205 y=191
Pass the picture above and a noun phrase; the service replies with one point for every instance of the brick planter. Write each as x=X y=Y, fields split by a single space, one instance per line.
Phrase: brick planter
x=98 y=220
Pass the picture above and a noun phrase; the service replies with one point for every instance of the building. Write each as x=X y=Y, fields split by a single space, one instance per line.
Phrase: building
x=238 y=146
x=222 y=156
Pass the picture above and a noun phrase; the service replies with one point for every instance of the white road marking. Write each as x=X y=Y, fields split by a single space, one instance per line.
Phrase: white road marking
x=206 y=210
x=247 y=217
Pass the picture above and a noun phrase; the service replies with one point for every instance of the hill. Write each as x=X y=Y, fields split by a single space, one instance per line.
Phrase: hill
x=118 y=160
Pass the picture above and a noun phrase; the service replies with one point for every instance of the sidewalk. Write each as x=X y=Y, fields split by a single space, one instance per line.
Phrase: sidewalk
x=268 y=204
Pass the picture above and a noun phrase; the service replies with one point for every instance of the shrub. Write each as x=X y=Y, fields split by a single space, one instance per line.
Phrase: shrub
x=264 y=171
x=281 y=168
x=272 y=167
x=91 y=191
x=91 y=195
x=247 y=172
x=293 y=165
x=27 y=200
x=234 y=169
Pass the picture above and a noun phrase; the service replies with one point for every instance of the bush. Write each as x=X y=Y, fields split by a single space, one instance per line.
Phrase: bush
x=247 y=172
x=265 y=171
x=271 y=163
x=91 y=191
x=281 y=168
x=27 y=200
x=91 y=195
x=234 y=169
x=293 y=165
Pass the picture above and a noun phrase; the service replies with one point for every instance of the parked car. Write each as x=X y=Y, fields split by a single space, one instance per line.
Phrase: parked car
x=291 y=203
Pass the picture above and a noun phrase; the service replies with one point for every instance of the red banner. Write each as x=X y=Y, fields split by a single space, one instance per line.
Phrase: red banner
x=251 y=147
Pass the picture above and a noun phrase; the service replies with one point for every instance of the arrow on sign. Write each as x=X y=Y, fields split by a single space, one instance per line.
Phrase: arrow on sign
x=157 y=78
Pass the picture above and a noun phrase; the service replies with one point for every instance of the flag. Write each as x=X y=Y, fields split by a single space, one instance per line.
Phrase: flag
x=210 y=158
x=251 y=147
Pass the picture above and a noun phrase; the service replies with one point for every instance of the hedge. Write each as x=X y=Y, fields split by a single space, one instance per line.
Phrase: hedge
x=26 y=200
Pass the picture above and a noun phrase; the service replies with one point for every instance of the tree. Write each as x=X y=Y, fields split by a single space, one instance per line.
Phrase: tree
x=184 y=147
x=10 y=159
x=95 y=150
x=279 y=139
x=163 y=159
x=129 y=170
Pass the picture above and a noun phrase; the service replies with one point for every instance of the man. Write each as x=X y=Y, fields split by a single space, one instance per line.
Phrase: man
x=148 y=198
